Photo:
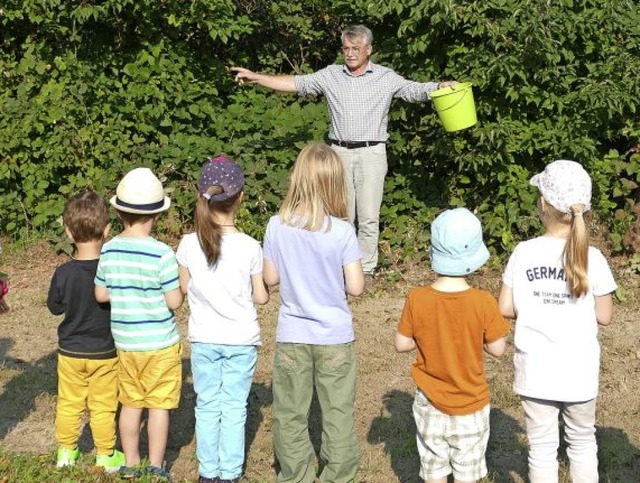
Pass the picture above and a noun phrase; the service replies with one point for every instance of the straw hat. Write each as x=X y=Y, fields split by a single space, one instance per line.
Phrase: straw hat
x=140 y=192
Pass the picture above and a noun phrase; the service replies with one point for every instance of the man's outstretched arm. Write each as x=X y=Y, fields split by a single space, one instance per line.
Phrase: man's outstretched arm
x=282 y=83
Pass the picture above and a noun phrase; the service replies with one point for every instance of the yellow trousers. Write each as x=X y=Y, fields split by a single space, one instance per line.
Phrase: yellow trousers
x=91 y=384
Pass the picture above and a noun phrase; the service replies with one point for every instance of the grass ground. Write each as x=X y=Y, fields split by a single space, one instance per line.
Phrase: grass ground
x=384 y=393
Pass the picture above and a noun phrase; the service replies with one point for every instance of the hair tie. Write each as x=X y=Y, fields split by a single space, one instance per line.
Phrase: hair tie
x=577 y=213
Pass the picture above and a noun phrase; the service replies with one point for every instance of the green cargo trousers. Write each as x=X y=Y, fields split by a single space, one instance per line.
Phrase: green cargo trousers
x=331 y=369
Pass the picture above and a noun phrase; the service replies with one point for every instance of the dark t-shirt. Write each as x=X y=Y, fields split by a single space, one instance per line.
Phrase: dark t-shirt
x=85 y=331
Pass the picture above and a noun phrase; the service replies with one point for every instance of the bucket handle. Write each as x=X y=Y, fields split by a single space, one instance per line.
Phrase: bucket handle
x=457 y=102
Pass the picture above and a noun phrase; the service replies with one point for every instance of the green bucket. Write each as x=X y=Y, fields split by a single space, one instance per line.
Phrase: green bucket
x=455 y=106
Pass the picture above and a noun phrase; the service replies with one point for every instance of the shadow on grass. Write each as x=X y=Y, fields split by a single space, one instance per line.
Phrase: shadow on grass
x=20 y=392
x=507 y=450
x=619 y=459
x=397 y=432
x=183 y=419
x=260 y=397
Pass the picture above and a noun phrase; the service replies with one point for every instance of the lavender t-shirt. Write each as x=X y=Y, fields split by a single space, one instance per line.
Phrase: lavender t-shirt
x=314 y=307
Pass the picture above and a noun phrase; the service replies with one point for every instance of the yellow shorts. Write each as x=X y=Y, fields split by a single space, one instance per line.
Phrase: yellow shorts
x=150 y=379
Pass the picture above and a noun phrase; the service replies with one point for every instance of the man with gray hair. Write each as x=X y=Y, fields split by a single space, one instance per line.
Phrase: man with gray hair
x=359 y=95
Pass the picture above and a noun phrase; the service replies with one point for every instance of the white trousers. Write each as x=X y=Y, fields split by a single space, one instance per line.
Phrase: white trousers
x=365 y=169
x=543 y=435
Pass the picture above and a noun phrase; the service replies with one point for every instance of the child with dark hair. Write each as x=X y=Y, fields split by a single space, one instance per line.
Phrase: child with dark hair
x=87 y=359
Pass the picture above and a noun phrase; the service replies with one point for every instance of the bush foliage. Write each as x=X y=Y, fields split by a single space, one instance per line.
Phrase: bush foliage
x=90 y=90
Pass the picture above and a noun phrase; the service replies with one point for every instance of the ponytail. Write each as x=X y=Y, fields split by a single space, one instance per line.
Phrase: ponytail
x=576 y=254
x=209 y=232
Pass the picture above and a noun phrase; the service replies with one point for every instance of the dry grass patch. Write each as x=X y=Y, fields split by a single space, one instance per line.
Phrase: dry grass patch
x=384 y=393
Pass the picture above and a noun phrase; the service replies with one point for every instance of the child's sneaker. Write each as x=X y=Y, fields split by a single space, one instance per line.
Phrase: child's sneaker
x=129 y=472
x=67 y=457
x=159 y=472
x=110 y=463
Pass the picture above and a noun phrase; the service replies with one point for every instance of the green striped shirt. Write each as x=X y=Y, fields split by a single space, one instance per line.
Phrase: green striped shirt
x=137 y=271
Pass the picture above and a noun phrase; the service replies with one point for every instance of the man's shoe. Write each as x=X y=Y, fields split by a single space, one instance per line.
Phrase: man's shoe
x=111 y=463
x=369 y=281
x=67 y=457
x=204 y=479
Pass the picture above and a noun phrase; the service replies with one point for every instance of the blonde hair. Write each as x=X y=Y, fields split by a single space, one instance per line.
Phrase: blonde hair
x=209 y=232
x=575 y=257
x=317 y=188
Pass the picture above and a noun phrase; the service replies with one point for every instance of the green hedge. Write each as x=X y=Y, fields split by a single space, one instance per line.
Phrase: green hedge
x=88 y=92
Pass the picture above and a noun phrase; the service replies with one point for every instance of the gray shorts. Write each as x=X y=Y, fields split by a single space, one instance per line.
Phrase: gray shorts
x=450 y=444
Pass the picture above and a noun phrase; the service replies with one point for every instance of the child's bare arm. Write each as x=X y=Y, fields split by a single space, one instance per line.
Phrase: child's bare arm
x=260 y=292
x=497 y=347
x=174 y=298
x=185 y=276
x=102 y=294
x=404 y=344
x=604 y=309
x=505 y=302
x=269 y=273
x=353 y=278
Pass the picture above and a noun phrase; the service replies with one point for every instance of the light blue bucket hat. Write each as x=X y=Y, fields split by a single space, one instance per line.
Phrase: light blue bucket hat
x=457 y=248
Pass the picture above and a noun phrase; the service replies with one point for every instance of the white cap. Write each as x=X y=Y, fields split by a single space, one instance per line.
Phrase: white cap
x=563 y=184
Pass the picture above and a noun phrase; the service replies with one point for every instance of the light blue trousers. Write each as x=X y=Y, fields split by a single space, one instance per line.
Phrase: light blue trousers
x=222 y=376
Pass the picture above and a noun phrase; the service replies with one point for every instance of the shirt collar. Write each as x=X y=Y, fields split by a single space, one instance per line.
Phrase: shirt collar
x=369 y=68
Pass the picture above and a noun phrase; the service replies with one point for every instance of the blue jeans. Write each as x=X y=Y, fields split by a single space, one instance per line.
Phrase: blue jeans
x=222 y=377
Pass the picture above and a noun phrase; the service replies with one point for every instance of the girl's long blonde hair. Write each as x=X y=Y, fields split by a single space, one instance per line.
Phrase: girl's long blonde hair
x=208 y=230
x=317 y=188
x=575 y=257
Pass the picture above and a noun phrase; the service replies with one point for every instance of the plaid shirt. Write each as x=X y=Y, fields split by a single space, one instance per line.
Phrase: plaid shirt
x=359 y=105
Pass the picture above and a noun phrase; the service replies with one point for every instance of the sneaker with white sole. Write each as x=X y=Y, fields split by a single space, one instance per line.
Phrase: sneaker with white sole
x=67 y=457
x=111 y=463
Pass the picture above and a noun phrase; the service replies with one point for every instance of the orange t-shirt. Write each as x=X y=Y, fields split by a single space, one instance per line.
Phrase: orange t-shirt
x=450 y=329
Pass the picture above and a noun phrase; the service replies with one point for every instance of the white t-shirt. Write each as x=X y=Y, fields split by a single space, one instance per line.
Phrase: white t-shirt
x=556 y=336
x=220 y=303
